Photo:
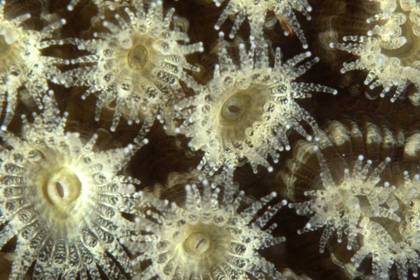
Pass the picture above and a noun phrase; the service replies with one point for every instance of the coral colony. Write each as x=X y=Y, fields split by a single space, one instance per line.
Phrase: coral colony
x=248 y=114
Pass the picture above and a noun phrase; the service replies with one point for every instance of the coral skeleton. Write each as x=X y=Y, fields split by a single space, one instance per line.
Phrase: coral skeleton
x=137 y=66
x=63 y=201
x=21 y=61
x=390 y=50
x=247 y=110
x=207 y=236
x=256 y=12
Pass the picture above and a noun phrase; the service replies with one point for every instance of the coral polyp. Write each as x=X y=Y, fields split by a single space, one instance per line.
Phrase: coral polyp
x=373 y=204
x=394 y=243
x=21 y=61
x=137 y=66
x=256 y=12
x=247 y=110
x=63 y=201
x=390 y=51
x=337 y=206
x=207 y=236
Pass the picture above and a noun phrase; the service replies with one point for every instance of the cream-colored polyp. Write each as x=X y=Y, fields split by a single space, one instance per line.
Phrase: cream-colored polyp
x=63 y=200
x=256 y=11
x=137 y=66
x=21 y=61
x=391 y=51
x=246 y=111
x=206 y=236
x=360 y=194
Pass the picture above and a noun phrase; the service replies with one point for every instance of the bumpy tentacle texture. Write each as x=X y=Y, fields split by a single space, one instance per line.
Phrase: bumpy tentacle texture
x=207 y=237
x=21 y=61
x=391 y=50
x=137 y=65
x=63 y=201
x=256 y=12
x=246 y=110
x=373 y=203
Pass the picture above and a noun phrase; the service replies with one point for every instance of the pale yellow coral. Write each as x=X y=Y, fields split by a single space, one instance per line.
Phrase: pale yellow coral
x=364 y=201
x=256 y=11
x=206 y=236
x=22 y=63
x=391 y=51
x=138 y=64
x=63 y=200
x=247 y=110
